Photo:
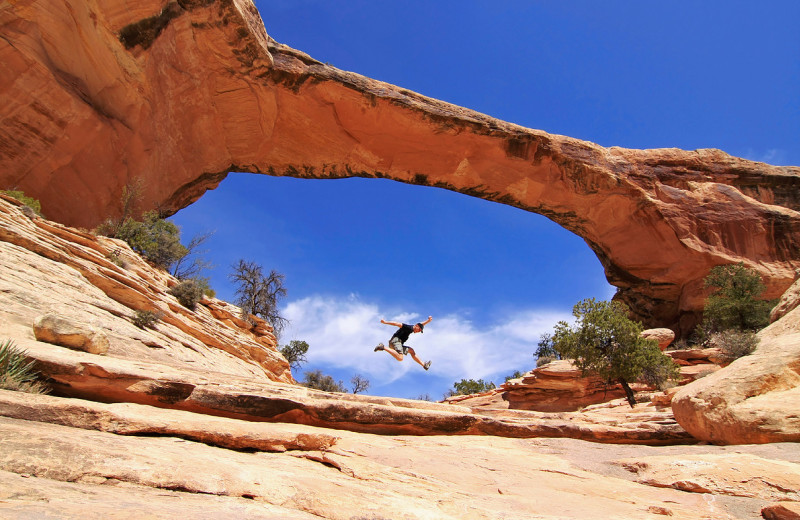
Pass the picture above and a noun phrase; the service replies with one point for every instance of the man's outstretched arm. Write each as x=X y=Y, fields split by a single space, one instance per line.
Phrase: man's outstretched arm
x=430 y=319
x=392 y=323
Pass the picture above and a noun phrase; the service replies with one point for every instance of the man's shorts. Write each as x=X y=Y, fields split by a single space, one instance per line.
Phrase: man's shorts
x=398 y=346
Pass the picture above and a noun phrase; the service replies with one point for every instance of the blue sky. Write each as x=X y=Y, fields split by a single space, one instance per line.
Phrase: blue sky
x=634 y=74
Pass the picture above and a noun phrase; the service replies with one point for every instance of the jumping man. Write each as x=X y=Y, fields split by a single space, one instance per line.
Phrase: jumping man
x=397 y=348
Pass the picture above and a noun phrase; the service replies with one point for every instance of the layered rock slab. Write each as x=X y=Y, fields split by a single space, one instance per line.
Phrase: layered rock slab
x=100 y=95
x=366 y=477
x=99 y=378
x=94 y=286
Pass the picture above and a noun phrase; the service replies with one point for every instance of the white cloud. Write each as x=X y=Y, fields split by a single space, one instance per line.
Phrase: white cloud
x=342 y=333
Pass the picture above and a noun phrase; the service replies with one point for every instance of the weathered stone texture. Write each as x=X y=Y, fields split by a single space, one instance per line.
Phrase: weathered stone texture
x=101 y=94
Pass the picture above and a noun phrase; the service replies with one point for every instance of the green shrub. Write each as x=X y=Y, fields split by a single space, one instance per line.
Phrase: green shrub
x=205 y=286
x=115 y=258
x=319 y=381
x=155 y=239
x=16 y=372
x=516 y=375
x=30 y=202
x=735 y=343
x=188 y=293
x=146 y=319
x=469 y=387
x=543 y=360
x=734 y=302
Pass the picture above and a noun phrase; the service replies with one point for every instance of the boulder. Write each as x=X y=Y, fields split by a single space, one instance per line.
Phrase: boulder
x=54 y=329
x=663 y=336
x=788 y=302
x=782 y=511
x=755 y=399
x=558 y=386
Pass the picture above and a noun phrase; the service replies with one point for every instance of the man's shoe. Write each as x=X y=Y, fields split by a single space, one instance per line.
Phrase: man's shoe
x=379 y=347
x=427 y=365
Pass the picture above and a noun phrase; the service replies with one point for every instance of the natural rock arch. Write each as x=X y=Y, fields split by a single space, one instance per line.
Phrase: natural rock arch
x=102 y=94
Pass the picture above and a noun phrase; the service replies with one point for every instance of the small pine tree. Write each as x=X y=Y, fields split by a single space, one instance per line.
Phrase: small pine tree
x=604 y=341
x=295 y=353
x=734 y=302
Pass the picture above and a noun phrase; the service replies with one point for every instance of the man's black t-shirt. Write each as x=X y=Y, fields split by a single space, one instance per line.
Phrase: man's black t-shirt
x=403 y=332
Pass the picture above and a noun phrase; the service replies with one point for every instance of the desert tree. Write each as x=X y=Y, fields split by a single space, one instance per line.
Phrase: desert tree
x=360 y=383
x=295 y=353
x=734 y=302
x=191 y=263
x=469 y=386
x=259 y=294
x=604 y=341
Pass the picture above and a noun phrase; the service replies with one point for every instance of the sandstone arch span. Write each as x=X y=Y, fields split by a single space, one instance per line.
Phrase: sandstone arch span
x=179 y=93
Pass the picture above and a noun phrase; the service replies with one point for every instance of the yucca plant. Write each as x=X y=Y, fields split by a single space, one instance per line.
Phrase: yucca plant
x=17 y=372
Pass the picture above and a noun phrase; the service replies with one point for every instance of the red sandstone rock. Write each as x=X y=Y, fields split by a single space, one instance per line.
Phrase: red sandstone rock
x=782 y=511
x=97 y=95
x=558 y=386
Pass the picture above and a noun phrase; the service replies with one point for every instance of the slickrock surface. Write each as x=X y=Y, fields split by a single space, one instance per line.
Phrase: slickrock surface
x=734 y=474
x=100 y=378
x=53 y=470
x=101 y=94
x=364 y=476
x=47 y=268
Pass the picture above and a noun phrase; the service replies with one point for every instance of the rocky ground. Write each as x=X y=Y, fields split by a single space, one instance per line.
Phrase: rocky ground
x=136 y=461
x=199 y=418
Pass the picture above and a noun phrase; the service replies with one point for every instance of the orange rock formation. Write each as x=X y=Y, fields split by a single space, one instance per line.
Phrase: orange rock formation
x=197 y=418
x=101 y=94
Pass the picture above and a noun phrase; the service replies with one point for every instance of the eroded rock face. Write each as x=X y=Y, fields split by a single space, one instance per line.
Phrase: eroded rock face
x=755 y=399
x=48 y=469
x=64 y=286
x=102 y=94
x=730 y=474
x=558 y=386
